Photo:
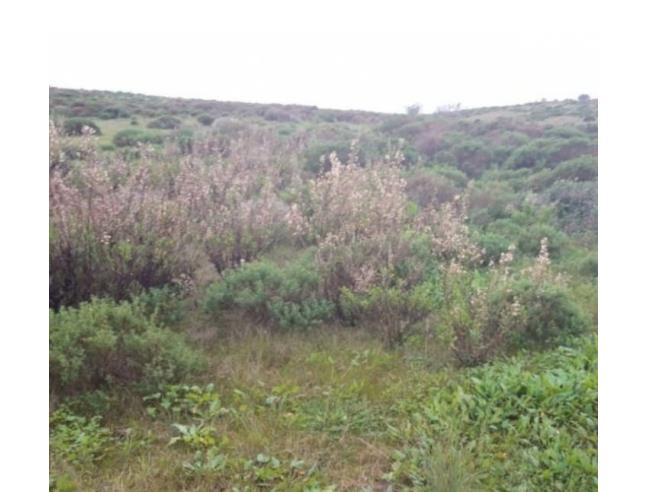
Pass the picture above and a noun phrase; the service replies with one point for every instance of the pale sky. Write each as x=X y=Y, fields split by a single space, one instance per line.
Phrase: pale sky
x=376 y=72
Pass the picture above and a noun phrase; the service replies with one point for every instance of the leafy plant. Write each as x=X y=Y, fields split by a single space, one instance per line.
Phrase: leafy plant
x=104 y=343
x=287 y=296
x=79 y=440
x=185 y=400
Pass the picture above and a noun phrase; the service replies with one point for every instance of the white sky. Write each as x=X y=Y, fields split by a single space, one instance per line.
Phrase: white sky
x=379 y=72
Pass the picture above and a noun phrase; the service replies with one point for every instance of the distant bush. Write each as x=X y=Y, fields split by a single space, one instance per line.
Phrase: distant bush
x=318 y=155
x=493 y=245
x=547 y=152
x=583 y=168
x=473 y=157
x=103 y=343
x=425 y=187
x=132 y=136
x=288 y=296
x=576 y=204
x=165 y=123
x=531 y=236
x=278 y=114
x=185 y=140
x=75 y=126
x=413 y=109
x=113 y=112
x=205 y=119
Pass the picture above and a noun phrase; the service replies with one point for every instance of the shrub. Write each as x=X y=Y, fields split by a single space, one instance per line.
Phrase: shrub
x=113 y=112
x=531 y=237
x=425 y=188
x=164 y=305
x=165 y=123
x=112 y=234
x=76 y=126
x=318 y=156
x=205 y=119
x=392 y=310
x=132 y=136
x=484 y=314
x=288 y=296
x=107 y=147
x=576 y=204
x=278 y=114
x=584 y=168
x=547 y=152
x=550 y=316
x=413 y=109
x=493 y=245
x=473 y=157
x=103 y=343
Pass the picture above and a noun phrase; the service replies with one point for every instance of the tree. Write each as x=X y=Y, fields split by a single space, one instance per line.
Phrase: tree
x=413 y=109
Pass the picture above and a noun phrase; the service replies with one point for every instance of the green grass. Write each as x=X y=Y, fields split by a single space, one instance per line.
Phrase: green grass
x=297 y=412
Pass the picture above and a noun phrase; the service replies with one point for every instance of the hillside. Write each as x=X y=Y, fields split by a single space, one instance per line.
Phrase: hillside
x=283 y=297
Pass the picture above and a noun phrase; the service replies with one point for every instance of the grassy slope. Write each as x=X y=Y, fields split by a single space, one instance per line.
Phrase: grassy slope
x=359 y=418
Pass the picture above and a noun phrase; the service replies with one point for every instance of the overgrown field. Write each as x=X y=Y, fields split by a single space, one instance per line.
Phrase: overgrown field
x=253 y=297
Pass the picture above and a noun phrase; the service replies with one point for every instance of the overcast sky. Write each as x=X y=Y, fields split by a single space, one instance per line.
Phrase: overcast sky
x=378 y=72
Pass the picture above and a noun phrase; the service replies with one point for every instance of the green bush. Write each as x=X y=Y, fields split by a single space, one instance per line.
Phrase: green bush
x=547 y=152
x=530 y=237
x=205 y=119
x=583 y=168
x=288 y=296
x=75 y=126
x=493 y=245
x=164 y=305
x=576 y=204
x=102 y=343
x=165 y=123
x=473 y=156
x=113 y=112
x=550 y=315
x=392 y=310
x=132 y=136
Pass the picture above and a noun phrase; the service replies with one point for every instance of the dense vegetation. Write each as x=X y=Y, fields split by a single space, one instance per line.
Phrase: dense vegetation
x=250 y=296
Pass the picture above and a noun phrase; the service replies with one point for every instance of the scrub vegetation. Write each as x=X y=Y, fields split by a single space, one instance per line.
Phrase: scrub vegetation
x=269 y=297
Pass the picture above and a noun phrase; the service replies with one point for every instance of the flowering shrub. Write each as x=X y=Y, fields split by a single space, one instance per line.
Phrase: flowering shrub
x=483 y=314
x=118 y=227
x=113 y=233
